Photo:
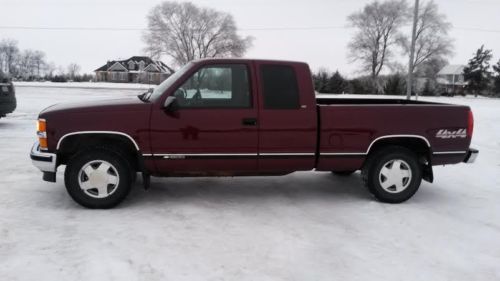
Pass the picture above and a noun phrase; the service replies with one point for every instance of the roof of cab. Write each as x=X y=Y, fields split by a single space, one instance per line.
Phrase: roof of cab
x=248 y=60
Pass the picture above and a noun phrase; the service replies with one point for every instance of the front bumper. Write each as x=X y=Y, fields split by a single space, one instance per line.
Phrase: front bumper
x=471 y=155
x=44 y=161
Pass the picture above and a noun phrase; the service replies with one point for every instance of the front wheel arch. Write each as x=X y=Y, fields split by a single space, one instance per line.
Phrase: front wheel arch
x=70 y=144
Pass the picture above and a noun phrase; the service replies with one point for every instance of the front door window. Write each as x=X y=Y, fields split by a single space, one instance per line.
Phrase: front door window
x=216 y=86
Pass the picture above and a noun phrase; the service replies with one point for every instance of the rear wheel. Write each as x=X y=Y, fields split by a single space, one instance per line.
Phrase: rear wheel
x=393 y=174
x=98 y=178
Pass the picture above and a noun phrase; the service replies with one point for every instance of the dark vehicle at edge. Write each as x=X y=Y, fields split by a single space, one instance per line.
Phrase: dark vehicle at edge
x=8 y=101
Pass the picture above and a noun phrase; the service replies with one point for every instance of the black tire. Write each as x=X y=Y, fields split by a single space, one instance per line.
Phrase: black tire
x=343 y=173
x=120 y=169
x=373 y=176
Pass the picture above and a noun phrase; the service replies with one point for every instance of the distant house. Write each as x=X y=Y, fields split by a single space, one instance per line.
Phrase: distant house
x=450 y=79
x=137 y=69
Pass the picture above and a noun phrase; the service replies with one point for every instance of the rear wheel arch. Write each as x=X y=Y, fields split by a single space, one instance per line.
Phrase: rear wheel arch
x=417 y=144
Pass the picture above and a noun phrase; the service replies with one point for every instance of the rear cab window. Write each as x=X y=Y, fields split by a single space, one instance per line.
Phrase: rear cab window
x=279 y=87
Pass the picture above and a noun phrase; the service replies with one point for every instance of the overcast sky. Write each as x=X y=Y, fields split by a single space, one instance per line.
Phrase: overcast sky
x=319 y=47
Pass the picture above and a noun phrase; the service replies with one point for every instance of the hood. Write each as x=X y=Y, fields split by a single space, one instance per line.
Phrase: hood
x=96 y=106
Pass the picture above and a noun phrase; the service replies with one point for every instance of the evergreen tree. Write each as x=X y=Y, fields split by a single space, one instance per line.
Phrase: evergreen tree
x=360 y=86
x=395 y=85
x=496 y=79
x=337 y=83
x=428 y=89
x=477 y=73
x=321 y=79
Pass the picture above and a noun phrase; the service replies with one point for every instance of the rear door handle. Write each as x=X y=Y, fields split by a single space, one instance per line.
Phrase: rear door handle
x=249 y=122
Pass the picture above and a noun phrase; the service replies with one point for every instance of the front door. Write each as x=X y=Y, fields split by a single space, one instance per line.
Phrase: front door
x=215 y=128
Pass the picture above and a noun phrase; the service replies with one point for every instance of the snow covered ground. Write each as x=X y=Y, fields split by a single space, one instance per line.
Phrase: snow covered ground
x=305 y=226
x=84 y=85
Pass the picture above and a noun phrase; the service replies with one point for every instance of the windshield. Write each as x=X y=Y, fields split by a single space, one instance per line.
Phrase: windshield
x=160 y=89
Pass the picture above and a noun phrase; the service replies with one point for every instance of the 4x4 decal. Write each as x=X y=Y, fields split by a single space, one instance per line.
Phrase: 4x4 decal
x=451 y=134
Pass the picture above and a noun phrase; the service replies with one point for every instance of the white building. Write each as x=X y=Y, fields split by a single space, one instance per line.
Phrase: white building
x=450 y=79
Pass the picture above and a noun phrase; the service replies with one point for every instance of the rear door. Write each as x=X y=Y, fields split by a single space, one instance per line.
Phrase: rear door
x=215 y=128
x=287 y=117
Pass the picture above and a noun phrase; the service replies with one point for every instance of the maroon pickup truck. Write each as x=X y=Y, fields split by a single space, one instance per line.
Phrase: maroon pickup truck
x=239 y=117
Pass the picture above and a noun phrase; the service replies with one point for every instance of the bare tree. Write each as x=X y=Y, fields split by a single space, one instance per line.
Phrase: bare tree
x=49 y=69
x=25 y=64
x=432 y=40
x=184 y=32
x=8 y=54
x=38 y=61
x=377 y=30
x=73 y=70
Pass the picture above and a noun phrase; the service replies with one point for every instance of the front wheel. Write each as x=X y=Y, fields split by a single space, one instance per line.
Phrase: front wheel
x=98 y=178
x=393 y=174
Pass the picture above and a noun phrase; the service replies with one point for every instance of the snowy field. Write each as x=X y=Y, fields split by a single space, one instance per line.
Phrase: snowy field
x=305 y=226
x=84 y=85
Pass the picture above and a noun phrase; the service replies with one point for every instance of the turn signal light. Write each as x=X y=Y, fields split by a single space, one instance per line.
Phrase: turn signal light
x=41 y=131
x=41 y=125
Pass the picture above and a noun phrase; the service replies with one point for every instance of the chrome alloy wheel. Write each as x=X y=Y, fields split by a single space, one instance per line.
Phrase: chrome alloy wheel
x=395 y=176
x=98 y=179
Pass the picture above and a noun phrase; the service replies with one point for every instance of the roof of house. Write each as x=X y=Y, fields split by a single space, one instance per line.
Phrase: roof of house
x=451 y=69
x=135 y=63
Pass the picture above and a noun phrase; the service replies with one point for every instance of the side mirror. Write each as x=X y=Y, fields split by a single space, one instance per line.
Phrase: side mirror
x=171 y=104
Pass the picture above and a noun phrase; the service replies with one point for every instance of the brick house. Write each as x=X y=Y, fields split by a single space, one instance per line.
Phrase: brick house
x=136 y=69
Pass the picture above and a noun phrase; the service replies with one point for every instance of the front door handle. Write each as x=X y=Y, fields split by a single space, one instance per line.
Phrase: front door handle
x=249 y=122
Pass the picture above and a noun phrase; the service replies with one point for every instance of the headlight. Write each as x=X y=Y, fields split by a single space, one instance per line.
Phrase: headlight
x=41 y=131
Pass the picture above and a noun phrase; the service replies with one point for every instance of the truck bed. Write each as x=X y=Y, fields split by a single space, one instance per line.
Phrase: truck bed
x=348 y=127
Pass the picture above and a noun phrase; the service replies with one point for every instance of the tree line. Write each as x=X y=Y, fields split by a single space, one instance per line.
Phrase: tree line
x=378 y=40
x=32 y=65
x=481 y=79
x=334 y=83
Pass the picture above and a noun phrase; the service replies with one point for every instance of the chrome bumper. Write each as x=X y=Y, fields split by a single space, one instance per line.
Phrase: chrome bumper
x=471 y=155
x=44 y=161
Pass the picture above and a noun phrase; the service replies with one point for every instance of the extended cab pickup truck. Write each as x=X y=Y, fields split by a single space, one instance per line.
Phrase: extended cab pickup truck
x=239 y=117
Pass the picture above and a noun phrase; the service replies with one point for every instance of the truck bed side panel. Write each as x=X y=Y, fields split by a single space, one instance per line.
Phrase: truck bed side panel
x=348 y=131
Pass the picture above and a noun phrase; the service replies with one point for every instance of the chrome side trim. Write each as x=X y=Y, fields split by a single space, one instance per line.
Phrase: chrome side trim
x=288 y=154
x=204 y=154
x=97 y=132
x=180 y=155
x=342 y=153
x=449 y=152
